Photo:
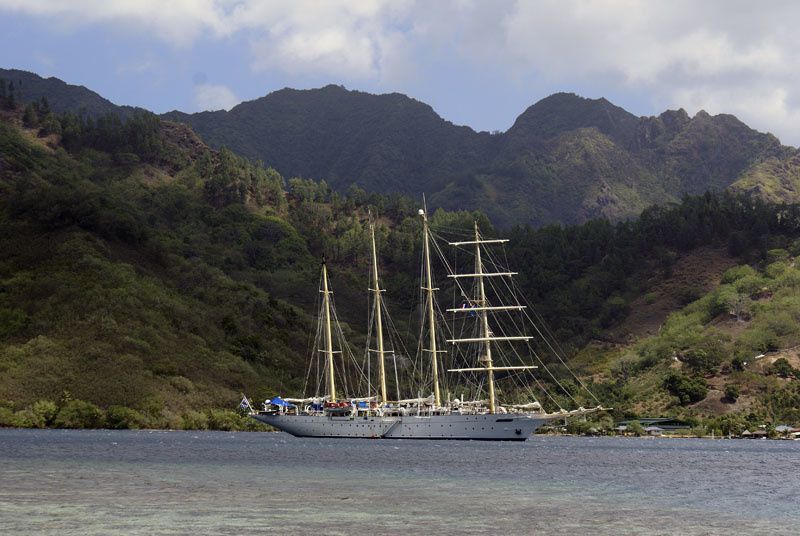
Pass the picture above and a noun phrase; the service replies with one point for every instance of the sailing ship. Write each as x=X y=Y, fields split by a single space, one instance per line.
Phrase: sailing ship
x=431 y=414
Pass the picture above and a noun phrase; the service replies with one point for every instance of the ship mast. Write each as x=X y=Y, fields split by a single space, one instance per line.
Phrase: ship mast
x=328 y=337
x=487 y=356
x=378 y=319
x=431 y=313
x=481 y=306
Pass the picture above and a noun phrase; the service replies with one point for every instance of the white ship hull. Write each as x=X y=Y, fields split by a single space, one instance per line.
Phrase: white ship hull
x=500 y=427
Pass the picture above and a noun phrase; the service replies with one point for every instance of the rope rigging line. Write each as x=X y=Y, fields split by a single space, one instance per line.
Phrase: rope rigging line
x=547 y=340
x=500 y=354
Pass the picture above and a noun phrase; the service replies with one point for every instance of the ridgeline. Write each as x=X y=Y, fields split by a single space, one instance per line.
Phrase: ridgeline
x=566 y=159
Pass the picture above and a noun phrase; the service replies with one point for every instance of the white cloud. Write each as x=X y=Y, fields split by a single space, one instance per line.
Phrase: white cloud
x=179 y=22
x=336 y=38
x=214 y=97
x=333 y=37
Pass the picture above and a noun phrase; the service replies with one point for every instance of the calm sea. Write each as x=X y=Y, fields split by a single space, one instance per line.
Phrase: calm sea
x=64 y=482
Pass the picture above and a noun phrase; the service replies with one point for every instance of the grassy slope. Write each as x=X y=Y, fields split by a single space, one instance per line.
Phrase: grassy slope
x=774 y=179
x=661 y=336
x=118 y=320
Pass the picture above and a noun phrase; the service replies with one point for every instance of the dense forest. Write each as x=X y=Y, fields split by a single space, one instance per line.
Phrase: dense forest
x=148 y=280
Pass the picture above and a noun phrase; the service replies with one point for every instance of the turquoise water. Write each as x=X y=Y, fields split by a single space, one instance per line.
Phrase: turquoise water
x=151 y=482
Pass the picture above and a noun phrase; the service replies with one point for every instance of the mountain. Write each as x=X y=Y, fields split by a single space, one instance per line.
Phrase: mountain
x=384 y=143
x=566 y=159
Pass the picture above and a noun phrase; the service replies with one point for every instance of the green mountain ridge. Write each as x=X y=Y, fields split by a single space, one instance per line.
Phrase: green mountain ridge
x=63 y=97
x=566 y=159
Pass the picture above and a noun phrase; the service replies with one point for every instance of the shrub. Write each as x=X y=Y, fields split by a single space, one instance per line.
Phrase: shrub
x=579 y=427
x=731 y=392
x=781 y=323
x=12 y=321
x=757 y=339
x=733 y=424
x=703 y=360
x=635 y=428
x=775 y=255
x=7 y=417
x=698 y=431
x=79 y=414
x=650 y=298
x=781 y=367
x=687 y=295
x=687 y=389
x=182 y=384
x=223 y=419
x=45 y=412
x=750 y=285
x=123 y=418
x=194 y=420
x=736 y=273
x=789 y=279
x=26 y=419
x=614 y=310
x=777 y=269
x=153 y=410
x=738 y=364
x=722 y=301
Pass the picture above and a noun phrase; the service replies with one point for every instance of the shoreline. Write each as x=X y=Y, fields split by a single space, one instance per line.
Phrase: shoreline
x=548 y=434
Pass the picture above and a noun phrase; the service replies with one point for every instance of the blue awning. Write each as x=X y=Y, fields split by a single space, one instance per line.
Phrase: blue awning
x=278 y=401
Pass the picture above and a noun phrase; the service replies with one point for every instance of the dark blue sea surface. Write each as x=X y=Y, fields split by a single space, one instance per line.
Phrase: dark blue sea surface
x=64 y=482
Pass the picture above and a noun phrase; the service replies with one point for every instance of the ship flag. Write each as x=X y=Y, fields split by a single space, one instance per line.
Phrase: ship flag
x=245 y=404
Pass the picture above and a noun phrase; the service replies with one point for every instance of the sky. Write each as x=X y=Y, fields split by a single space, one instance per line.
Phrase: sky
x=477 y=63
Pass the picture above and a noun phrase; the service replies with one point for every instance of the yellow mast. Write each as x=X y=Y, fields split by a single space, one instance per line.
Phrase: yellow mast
x=482 y=306
x=328 y=337
x=378 y=318
x=487 y=358
x=431 y=313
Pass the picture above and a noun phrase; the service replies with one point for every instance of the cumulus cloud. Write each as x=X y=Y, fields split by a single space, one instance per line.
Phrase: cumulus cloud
x=177 y=21
x=209 y=97
x=334 y=38
x=721 y=55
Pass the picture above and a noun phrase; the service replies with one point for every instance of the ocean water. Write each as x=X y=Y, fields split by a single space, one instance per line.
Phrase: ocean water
x=63 y=482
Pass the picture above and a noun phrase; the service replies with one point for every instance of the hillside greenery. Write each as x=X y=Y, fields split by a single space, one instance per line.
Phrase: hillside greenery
x=723 y=361
x=148 y=280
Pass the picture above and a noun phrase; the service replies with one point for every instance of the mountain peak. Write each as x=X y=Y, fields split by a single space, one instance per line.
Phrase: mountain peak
x=562 y=112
